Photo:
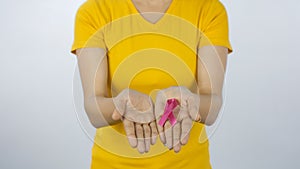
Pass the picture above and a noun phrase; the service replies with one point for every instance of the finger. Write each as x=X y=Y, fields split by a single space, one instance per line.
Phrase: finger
x=161 y=133
x=154 y=132
x=198 y=118
x=147 y=135
x=168 y=133
x=176 y=137
x=186 y=125
x=130 y=132
x=116 y=115
x=159 y=110
x=140 y=138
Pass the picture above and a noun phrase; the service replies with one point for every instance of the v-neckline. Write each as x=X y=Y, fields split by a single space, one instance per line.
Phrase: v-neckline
x=144 y=20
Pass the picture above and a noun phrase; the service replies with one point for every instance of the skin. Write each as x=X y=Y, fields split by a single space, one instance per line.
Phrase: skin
x=211 y=59
x=101 y=110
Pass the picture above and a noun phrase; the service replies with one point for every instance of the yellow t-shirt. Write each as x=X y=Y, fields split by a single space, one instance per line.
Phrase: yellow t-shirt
x=147 y=57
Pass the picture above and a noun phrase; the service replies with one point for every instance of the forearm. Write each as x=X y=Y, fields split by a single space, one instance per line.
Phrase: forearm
x=210 y=105
x=99 y=110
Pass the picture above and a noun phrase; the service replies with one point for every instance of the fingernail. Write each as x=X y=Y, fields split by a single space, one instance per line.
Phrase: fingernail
x=141 y=150
x=177 y=149
x=153 y=141
x=169 y=147
x=133 y=143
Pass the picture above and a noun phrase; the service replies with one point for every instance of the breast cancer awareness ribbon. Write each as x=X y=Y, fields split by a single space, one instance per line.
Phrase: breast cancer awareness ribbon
x=168 y=112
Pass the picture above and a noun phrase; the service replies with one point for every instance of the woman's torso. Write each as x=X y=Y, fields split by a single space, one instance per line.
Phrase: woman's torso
x=147 y=57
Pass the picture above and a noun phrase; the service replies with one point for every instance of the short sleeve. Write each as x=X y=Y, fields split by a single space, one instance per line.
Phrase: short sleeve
x=215 y=29
x=87 y=28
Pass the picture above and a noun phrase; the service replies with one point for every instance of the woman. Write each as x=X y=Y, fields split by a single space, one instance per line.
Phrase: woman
x=174 y=51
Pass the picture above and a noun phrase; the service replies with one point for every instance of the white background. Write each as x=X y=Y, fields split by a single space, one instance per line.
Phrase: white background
x=38 y=123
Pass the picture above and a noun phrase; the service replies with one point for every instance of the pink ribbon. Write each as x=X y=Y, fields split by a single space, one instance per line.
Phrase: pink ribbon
x=168 y=113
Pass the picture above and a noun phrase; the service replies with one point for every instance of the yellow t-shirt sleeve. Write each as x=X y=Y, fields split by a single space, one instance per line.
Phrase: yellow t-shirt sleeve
x=215 y=29
x=87 y=28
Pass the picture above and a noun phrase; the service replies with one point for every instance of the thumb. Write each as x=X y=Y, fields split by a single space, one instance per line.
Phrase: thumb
x=116 y=115
x=193 y=107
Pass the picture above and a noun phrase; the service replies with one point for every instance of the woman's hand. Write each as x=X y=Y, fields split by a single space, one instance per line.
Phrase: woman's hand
x=186 y=113
x=136 y=111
